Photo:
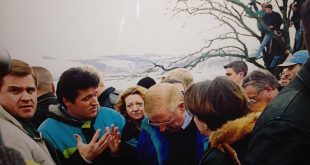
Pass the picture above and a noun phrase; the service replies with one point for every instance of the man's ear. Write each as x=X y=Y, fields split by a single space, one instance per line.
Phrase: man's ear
x=53 y=88
x=241 y=74
x=66 y=102
x=268 y=88
x=181 y=106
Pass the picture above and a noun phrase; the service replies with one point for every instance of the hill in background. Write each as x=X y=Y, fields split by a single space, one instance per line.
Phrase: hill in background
x=122 y=71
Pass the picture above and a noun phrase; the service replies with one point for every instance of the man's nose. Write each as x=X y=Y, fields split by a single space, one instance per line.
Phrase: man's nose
x=25 y=96
x=95 y=101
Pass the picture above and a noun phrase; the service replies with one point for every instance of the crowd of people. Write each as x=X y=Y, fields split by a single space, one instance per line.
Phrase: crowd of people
x=236 y=118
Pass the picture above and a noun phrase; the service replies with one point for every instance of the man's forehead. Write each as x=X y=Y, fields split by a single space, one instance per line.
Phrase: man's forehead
x=250 y=88
x=20 y=86
x=161 y=114
x=87 y=91
x=11 y=80
x=230 y=70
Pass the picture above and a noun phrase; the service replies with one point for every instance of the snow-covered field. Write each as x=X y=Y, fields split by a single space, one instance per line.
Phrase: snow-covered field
x=123 y=71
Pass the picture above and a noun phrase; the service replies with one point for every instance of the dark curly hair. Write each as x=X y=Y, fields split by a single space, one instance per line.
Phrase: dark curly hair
x=73 y=80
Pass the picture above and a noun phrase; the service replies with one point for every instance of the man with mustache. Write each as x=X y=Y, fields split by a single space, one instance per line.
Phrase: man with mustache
x=81 y=130
x=18 y=99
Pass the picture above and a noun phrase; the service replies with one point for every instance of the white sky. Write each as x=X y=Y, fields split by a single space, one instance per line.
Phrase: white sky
x=73 y=29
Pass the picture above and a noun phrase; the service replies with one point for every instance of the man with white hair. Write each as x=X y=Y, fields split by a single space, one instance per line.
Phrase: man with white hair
x=168 y=129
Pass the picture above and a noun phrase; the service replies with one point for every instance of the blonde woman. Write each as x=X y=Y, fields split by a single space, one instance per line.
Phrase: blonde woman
x=131 y=105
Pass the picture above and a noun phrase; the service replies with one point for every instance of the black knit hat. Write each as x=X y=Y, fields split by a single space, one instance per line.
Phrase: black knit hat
x=268 y=6
x=146 y=82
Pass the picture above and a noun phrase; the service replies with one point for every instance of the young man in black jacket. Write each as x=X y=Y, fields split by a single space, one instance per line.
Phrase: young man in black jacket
x=45 y=94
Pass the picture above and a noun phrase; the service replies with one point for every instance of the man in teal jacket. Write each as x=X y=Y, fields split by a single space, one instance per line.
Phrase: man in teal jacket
x=76 y=126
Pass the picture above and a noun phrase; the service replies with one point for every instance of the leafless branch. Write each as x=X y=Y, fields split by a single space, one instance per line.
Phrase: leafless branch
x=230 y=14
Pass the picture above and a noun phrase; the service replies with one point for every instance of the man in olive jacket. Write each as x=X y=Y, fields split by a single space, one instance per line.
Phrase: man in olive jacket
x=282 y=132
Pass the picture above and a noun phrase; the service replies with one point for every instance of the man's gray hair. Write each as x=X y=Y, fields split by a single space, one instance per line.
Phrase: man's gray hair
x=260 y=78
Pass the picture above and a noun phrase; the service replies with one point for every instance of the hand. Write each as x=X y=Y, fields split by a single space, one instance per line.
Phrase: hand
x=114 y=143
x=93 y=149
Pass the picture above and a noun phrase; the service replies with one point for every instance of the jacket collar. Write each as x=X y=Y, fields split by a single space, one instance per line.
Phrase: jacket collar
x=231 y=132
x=59 y=112
x=46 y=96
x=8 y=117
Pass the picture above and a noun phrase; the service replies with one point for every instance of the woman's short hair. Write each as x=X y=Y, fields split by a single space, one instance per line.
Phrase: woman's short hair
x=216 y=102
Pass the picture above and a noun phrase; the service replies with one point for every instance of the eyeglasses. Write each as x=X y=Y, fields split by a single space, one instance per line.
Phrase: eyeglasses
x=171 y=118
x=253 y=100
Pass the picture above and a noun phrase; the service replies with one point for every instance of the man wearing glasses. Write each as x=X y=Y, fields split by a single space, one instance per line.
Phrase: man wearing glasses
x=169 y=134
x=261 y=87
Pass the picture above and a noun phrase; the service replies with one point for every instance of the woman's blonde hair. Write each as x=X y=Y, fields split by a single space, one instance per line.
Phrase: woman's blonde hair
x=120 y=104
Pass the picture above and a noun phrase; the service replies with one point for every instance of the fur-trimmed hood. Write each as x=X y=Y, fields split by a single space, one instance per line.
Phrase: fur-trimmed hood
x=232 y=132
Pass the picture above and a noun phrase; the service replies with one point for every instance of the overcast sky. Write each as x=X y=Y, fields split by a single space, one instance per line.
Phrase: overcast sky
x=72 y=29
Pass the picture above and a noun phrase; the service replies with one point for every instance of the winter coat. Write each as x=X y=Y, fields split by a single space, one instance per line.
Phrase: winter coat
x=273 y=19
x=282 y=132
x=33 y=150
x=153 y=146
x=44 y=101
x=229 y=143
x=130 y=137
x=108 y=97
x=60 y=130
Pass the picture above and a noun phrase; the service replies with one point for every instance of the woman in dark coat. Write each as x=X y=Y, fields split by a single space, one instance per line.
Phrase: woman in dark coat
x=131 y=105
x=221 y=112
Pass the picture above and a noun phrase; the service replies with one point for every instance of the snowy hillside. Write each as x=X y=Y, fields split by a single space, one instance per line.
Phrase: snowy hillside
x=122 y=71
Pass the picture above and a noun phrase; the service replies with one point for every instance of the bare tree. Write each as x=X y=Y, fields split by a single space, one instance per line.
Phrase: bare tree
x=233 y=15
